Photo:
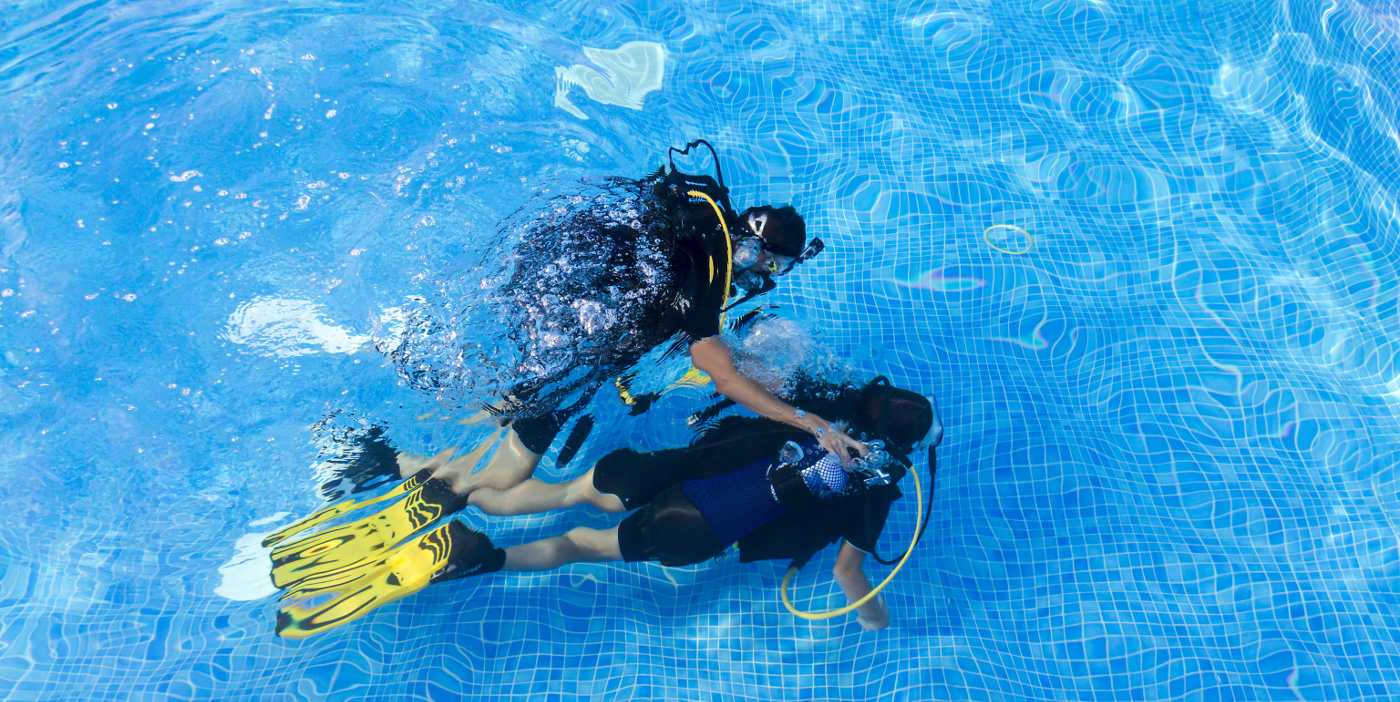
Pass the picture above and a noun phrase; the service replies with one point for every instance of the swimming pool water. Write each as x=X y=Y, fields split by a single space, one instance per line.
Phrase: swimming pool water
x=1169 y=468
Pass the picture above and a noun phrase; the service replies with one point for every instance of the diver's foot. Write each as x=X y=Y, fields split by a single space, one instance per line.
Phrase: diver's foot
x=298 y=559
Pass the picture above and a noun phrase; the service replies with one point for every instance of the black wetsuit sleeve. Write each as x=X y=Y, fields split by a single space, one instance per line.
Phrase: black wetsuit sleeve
x=864 y=519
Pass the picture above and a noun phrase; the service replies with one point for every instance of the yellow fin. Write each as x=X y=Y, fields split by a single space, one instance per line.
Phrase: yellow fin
x=340 y=508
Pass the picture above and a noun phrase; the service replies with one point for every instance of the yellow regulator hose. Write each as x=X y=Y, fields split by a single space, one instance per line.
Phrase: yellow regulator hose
x=728 y=248
x=783 y=590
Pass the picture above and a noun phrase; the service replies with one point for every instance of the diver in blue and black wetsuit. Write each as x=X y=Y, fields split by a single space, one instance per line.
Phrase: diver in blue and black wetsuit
x=744 y=481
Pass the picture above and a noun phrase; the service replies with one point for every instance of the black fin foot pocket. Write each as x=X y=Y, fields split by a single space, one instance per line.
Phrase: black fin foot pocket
x=472 y=553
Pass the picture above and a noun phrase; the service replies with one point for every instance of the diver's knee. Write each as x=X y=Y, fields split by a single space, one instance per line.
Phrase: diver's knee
x=578 y=492
x=487 y=500
x=589 y=544
x=583 y=492
x=605 y=501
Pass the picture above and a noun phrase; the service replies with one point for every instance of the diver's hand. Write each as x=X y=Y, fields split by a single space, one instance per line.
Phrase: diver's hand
x=878 y=619
x=840 y=443
x=833 y=438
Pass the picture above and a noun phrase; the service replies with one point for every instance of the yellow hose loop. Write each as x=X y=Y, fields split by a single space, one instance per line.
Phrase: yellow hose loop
x=1030 y=239
x=783 y=589
x=728 y=249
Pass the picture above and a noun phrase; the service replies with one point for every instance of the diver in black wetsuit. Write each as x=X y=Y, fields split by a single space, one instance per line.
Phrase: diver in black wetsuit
x=658 y=270
x=745 y=480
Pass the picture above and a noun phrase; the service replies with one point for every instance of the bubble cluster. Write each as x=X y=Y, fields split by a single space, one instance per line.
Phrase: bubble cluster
x=560 y=300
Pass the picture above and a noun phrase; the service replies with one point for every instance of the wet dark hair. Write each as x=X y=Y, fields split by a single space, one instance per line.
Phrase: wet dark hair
x=786 y=232
x=897 y=415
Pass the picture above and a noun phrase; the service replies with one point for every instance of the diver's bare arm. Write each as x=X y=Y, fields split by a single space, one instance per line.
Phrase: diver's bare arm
x=712 y=356
x=850 y=575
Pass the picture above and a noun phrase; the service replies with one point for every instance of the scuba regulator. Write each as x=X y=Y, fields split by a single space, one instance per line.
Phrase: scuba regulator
x=802 y=478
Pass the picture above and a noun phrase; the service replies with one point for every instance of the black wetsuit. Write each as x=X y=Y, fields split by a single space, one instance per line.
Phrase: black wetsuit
x=683 y=309
x=669 y=527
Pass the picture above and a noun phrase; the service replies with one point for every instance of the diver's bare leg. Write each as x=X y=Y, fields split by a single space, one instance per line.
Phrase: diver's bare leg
x=458 y=471
x=511 y=465
x=579 y=545
x=533 y=496
x=508 y=466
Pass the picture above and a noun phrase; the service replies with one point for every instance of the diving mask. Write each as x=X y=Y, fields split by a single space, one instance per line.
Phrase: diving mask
x=935 y=430
x=779 y=264
x=747 y=250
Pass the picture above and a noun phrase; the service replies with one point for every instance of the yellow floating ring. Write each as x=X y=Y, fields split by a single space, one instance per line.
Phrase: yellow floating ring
x=987 y=236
